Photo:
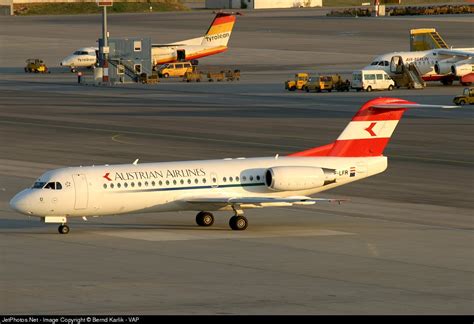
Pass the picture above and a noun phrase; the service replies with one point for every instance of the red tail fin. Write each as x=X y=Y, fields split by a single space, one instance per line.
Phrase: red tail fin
x=367 y=134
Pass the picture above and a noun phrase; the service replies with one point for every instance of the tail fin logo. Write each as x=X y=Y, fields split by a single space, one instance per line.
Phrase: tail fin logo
x=370 y=129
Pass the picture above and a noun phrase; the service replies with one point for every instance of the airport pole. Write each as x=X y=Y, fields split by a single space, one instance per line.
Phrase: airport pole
x=105 y=47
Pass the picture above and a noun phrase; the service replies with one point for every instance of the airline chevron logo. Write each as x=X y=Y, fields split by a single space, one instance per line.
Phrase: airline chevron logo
x=370 y=129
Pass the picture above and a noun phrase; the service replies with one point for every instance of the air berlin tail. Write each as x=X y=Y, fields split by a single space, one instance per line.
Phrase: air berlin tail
x=369 y=131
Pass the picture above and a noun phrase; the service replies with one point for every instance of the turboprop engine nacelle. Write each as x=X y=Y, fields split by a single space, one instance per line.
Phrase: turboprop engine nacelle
x=292 y=178
x=443 y=68
x=462 y=68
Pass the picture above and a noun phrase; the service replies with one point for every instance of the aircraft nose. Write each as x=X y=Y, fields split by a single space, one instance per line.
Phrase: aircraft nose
x=20 y=203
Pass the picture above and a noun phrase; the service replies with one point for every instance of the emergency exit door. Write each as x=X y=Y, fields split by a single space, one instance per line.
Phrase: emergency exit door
x=82 y=191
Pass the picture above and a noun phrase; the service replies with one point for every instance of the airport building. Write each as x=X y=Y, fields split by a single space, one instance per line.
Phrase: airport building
x=261 y=4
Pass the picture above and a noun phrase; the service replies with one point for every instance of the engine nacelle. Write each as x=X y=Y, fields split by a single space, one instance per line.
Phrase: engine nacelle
x=443 y=68
x=461 y=69
x=293 y=178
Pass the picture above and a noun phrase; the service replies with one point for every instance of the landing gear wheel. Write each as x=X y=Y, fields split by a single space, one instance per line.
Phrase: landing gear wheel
x=238 y=223
x=204 y=219
x=63 y=229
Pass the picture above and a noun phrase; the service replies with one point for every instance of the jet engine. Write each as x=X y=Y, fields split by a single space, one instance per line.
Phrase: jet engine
x=292 y=178
x=462 y=68
x=443 y=68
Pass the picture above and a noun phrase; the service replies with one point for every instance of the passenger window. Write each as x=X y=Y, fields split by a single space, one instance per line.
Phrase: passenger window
x=244 y=178
x=139 y=184
x=236 y=178
x=182 y=181
x=214 y=180
x=160 y=183
x=153 y=183
x=125 y=184
x=167 y=182
x=146 y=183
x=203 y=180
x=189 y=181
x=50 y=185
x=196 y=181
x=224 y=179
x=105 y=186
x=231 y=179
x=119 y=185
x=258 y=177
x=132 y=184
x=112 y=185
x=251 y=178
x=174 y=182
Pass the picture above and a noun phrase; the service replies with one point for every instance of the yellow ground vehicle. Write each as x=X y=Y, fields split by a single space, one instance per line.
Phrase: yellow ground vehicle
x=467 y=97
x=323 y=82
x=329 y=83
x=298 y=83
x=34 y=65
x=176 y=70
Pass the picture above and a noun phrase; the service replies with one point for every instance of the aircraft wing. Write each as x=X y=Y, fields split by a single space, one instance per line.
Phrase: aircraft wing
x=454 y=52
x=260 y=201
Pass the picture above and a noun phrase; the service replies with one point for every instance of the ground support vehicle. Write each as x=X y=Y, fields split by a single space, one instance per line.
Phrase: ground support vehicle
x=176 y=70
x=216 y=76
x=300 y=81
x=369 y=80
x=192 y=76
x=144 y=78
x=34 y=65
x=232 y=75
x=467 y=97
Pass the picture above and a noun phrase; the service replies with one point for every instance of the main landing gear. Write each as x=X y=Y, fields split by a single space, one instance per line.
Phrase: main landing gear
x=204 y=219
x=238 y=222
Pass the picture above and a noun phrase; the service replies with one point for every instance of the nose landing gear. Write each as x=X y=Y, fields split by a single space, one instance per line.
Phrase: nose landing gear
x=63 y=229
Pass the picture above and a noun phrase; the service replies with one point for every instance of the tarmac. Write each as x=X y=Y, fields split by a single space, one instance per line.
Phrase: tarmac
x=403 y=244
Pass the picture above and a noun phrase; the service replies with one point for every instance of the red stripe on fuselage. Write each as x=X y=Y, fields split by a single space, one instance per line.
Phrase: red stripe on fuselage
x=199 y=55
x=359 y=147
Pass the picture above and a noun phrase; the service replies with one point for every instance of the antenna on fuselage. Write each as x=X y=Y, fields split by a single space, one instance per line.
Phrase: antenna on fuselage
x=135 y=162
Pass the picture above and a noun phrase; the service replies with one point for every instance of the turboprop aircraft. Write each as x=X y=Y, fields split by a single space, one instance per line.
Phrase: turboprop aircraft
x=213 y=42
x=432 y=57
x=216 y=185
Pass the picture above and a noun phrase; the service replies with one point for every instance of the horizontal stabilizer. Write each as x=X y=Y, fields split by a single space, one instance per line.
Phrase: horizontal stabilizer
x=413 y=105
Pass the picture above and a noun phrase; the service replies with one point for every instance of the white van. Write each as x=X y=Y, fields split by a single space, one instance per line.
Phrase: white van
x=369 y=80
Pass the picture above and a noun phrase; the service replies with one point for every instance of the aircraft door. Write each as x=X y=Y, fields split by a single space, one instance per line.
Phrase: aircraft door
x=81 y=191
x=181 y=55
x=396 y=64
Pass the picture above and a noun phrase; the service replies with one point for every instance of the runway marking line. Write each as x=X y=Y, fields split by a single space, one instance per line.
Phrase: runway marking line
x=157 y=235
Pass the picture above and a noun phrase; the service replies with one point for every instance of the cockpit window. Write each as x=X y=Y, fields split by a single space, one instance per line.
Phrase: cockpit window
x=50 y=185
x=374 y=63
x=38 y=185
x=58 y=186
x=81 y=53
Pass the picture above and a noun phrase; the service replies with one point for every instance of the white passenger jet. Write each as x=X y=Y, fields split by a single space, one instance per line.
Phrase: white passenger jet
x=213 y=42
x=435 y=64
x=228 y=184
